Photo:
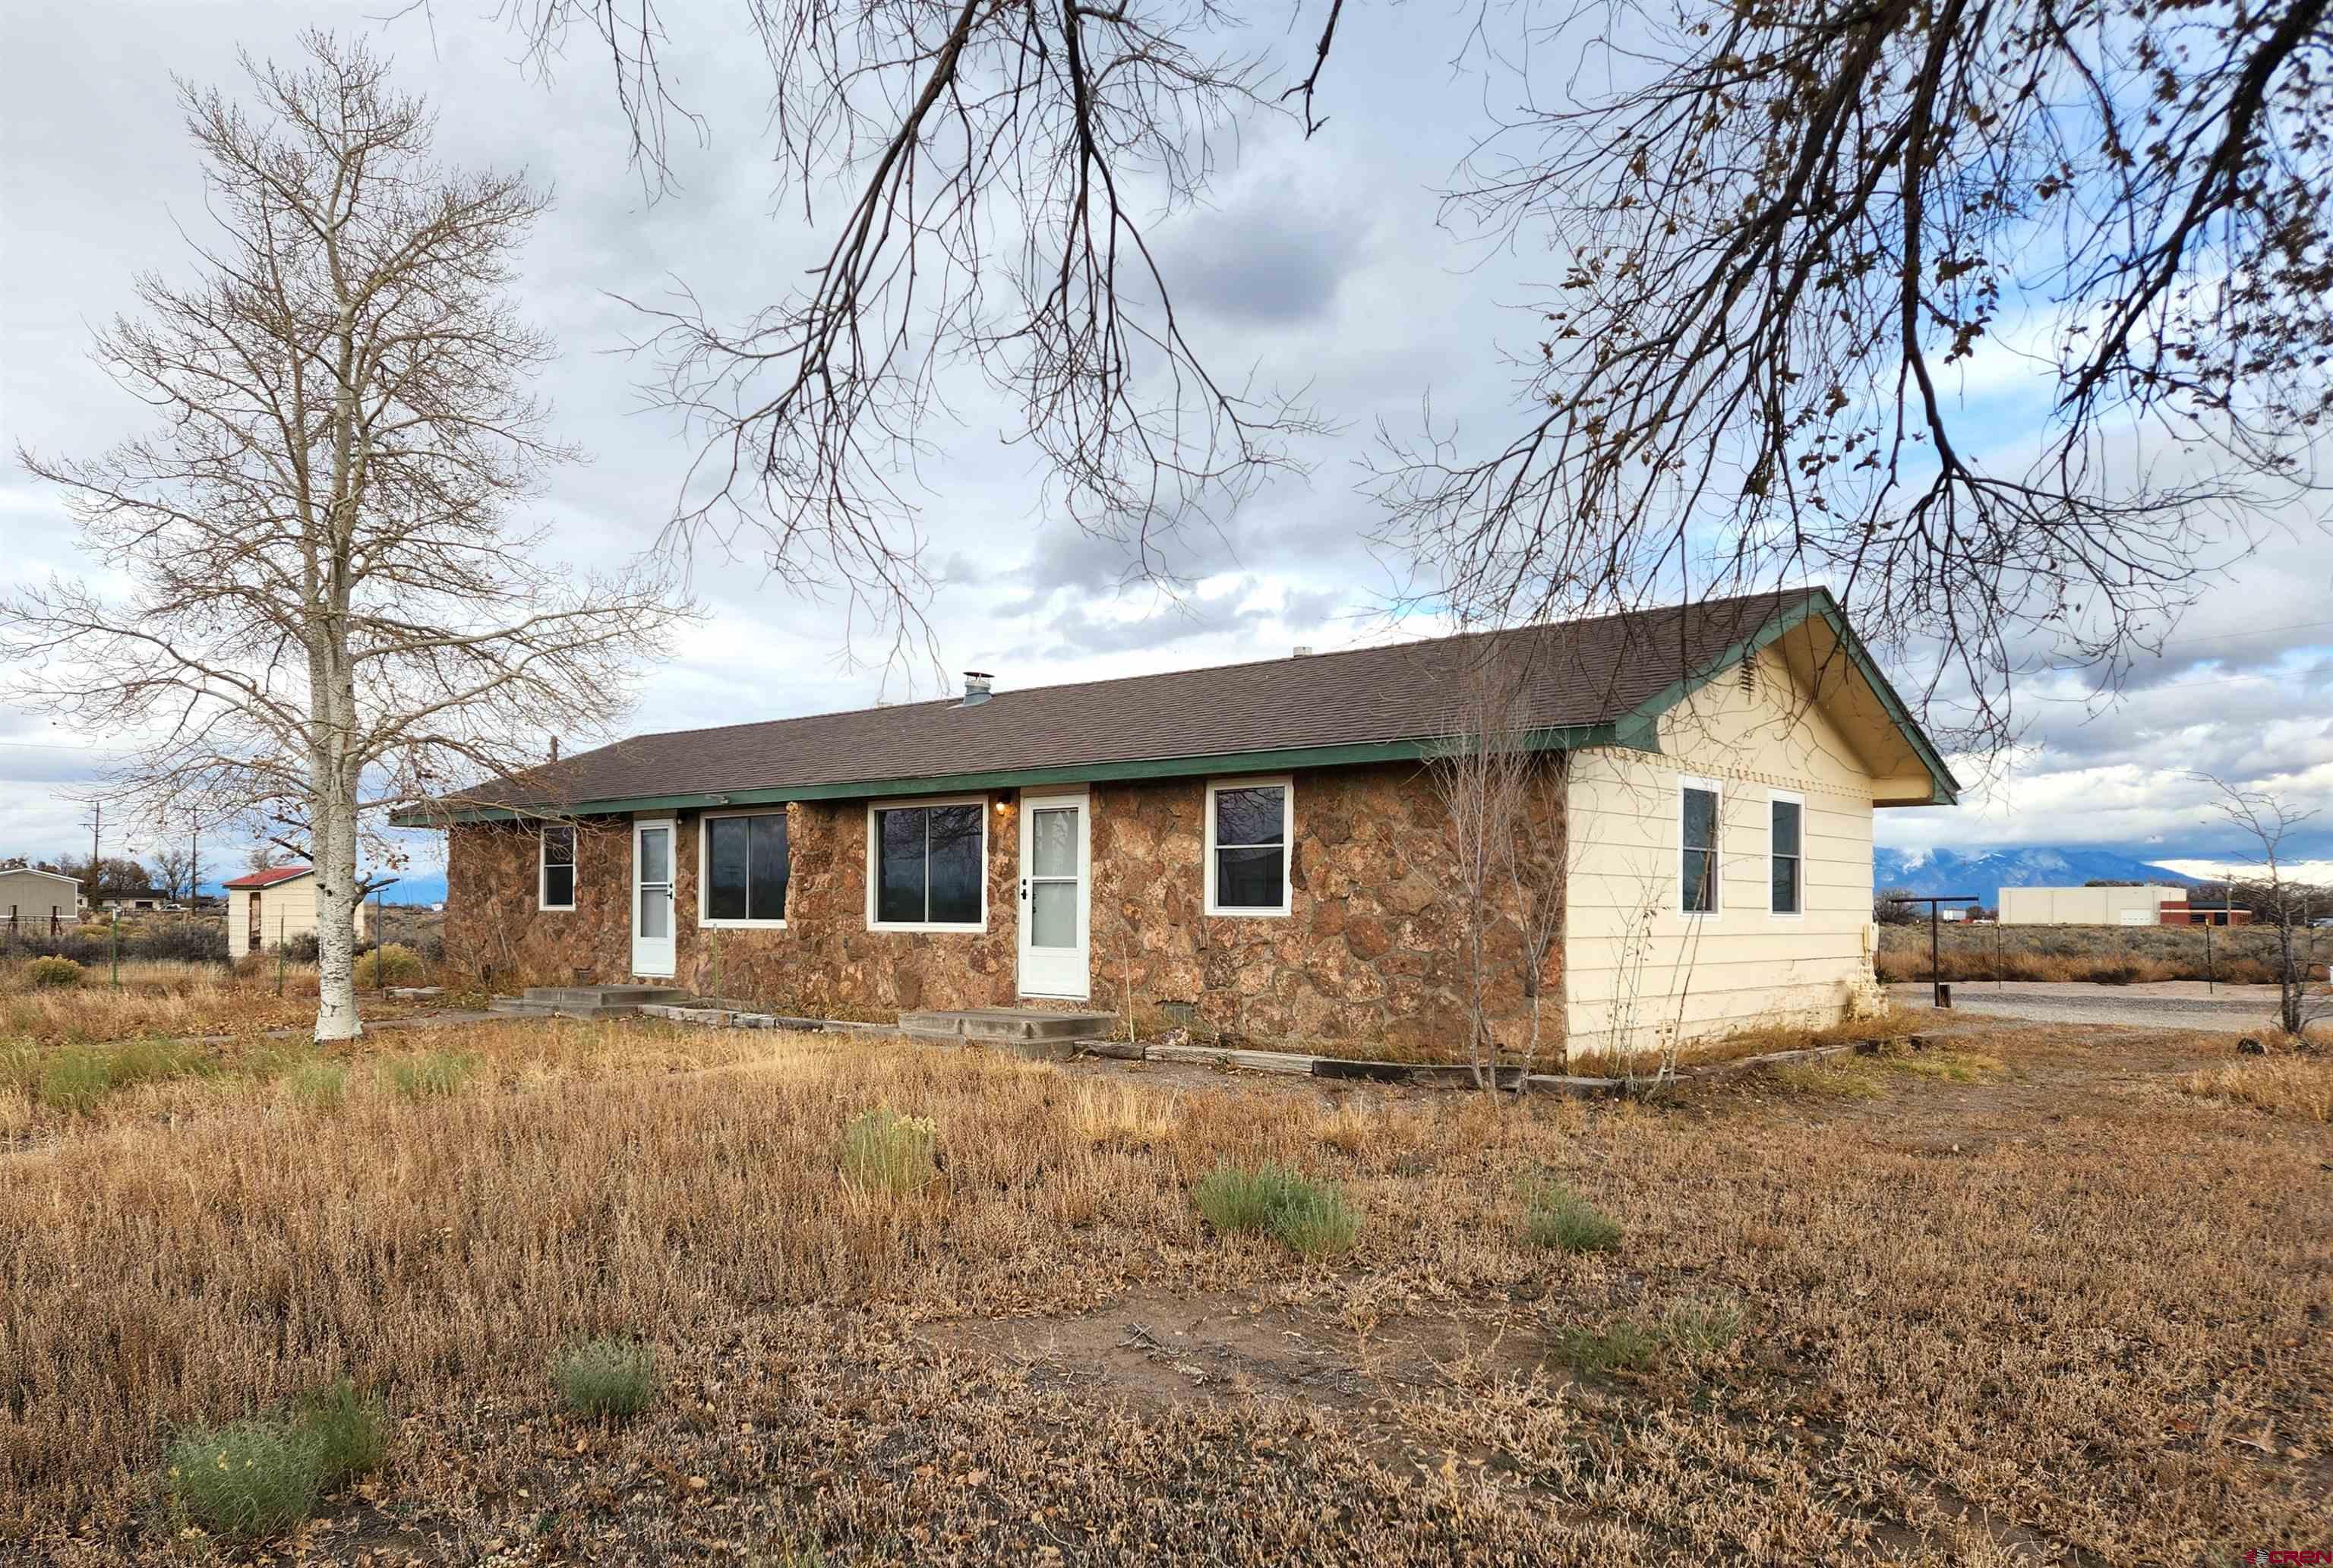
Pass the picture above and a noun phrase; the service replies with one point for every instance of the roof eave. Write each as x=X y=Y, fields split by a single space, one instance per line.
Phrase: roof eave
x=1641 y=726
x=1557 y=738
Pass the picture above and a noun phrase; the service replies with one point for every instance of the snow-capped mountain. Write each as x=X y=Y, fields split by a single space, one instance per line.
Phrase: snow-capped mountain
x=1986 y=872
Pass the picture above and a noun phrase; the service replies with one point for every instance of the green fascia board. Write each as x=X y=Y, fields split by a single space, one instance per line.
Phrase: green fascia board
x=1640 y=727
x=1560 y=739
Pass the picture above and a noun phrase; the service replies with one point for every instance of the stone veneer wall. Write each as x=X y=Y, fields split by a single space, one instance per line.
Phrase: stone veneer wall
x=1371 y=951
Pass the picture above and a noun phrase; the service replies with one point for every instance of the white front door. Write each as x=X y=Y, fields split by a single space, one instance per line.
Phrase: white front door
x=1054 y=867
x=652 y=898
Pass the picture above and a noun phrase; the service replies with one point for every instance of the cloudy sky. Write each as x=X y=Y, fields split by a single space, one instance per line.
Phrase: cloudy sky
x=1315 y=264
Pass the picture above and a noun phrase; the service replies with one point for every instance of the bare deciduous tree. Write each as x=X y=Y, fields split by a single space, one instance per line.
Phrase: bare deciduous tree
x=1002 y=168
x=2268 y=819
x=1503 y=793
x=330 y=609
x=1781 y=232
x=174 y=871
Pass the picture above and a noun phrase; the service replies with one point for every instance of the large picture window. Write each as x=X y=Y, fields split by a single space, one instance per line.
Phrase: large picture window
x=1697 y=821
x=743 y=869
x=1788 y=852
x=929 y=865
x=1249 y=824
x=556 y=890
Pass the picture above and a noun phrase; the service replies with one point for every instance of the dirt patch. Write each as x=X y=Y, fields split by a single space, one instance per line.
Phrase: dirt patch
x=1155 y=1347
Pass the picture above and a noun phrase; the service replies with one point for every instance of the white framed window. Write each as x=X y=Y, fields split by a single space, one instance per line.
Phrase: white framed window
x=1699 y=822
x=743 y=868
x=1786 y=853
x=928 y=865
x=554 y=886
x=1251 y=830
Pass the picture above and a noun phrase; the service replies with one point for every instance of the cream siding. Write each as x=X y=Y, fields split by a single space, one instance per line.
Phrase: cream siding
x=32 y=896
x=286 y=910
x=1639 y=970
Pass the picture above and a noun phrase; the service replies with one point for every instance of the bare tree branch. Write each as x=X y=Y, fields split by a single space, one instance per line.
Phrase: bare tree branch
x=330 y=611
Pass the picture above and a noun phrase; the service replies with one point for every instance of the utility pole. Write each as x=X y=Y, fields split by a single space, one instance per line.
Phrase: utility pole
x=96 y=826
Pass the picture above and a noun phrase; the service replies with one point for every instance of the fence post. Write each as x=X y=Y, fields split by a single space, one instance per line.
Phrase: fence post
x=279 y=954
x=116 y=950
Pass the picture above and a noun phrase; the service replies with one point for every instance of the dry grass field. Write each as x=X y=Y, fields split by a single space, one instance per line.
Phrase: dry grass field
x=165 y=999
x=2112 y=955
x=2050 y=1295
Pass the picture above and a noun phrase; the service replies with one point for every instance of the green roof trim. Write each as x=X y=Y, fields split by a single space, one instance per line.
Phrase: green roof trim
x=1637 y=730
x=1563 y=739
x=1641 y=728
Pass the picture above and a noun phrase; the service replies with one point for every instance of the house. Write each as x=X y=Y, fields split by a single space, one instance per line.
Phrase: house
x=2151 y=904
x=38 y=900
x=265 y=909
x=1263 y=841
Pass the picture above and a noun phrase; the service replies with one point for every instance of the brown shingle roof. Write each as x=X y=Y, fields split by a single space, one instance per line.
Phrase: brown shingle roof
x=1579 y=672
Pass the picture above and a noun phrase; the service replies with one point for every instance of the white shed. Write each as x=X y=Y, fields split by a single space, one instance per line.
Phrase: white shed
x=266 y=909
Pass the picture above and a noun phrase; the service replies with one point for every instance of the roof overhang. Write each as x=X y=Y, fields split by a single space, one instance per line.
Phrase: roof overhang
x=35 y=871
x=1932 y=784
x=1560 y=739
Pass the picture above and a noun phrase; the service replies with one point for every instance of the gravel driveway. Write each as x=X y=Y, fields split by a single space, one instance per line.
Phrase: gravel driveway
x=2171 y=1005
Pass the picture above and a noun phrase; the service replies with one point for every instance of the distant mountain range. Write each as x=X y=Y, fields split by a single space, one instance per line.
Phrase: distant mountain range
x=1987 y=872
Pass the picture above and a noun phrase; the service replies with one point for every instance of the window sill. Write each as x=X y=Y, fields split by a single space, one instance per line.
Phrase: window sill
x=554 y=909
x=1249 y=913
x=969 y=929
x=741 y=925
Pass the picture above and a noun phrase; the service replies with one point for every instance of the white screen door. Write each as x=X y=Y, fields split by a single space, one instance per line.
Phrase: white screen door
x=1053 y=870
x=652 y=898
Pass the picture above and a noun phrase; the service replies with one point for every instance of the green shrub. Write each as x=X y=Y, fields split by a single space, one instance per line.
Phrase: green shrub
x=608 y=1378
x=1555 y=1216
x=1312 y=1217
x=349 y=1432
x=433 y=1076
x=251 y=1479
x=898 y=1153
x=1701 y=1328
x=45 y=972
x=322 y=1085
x=392 y=964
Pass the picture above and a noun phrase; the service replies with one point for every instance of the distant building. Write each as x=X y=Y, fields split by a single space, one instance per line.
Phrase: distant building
x=266 y=909
x=2092 y=905
x=43 y=897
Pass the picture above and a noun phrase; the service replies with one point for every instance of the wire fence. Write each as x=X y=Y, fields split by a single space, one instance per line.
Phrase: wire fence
x=2104 y=954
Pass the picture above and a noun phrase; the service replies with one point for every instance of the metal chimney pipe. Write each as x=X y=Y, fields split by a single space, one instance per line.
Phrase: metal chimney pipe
x=978 y=687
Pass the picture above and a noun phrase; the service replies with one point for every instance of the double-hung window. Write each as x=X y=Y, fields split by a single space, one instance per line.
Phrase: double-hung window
x=555 y=886
x=1786 y=854
x=742 y=869
x=1250 y=823
x=929 y=866
x=1697 y=825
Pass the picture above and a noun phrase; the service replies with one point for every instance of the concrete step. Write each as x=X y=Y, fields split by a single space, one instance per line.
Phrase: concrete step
x=1006 y=1025
x=603 y=996
x=526 y=1007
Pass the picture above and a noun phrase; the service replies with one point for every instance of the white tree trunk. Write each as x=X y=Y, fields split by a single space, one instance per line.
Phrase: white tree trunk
x=336 y=910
